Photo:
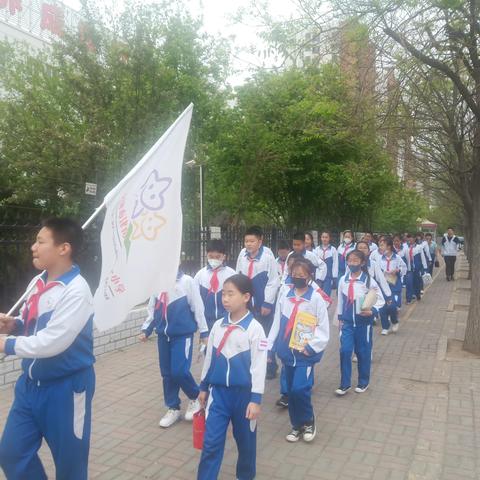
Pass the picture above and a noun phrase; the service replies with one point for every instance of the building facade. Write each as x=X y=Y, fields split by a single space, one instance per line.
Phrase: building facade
x=36 y=23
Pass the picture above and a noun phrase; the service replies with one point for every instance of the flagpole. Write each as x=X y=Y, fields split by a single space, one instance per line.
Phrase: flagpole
x=113 y=192
x=94 y=215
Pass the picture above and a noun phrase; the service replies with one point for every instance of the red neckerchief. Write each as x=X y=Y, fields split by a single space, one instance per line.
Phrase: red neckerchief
x=224 y=339
x=324 y=296
x=291 y=320
x=32 y=302
x=388 y=262
x=346 y=249
x=162 y=302
x=214 y=282
x=351 y=290
x=250 y=267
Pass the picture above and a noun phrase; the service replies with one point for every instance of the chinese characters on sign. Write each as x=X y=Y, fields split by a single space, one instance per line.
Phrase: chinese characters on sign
x=27 y=12
x=90 y=188
x=52 y=19
x=13 y=6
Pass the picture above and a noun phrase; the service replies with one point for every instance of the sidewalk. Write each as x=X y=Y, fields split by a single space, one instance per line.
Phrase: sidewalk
x=419 y=420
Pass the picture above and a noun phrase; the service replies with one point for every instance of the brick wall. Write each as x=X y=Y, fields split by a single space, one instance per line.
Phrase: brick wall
x=108 y=341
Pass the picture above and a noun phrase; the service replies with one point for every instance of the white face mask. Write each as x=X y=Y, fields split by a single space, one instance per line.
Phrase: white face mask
x=214 y=263
x=348 y=241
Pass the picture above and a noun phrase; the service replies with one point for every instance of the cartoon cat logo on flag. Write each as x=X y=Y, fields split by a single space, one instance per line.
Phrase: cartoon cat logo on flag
x=145 y=220
x=142 y=220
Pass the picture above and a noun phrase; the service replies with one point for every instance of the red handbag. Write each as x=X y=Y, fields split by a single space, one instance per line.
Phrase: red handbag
x=198 y=429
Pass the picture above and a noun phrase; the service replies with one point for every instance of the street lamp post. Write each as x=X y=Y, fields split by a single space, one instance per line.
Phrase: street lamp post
x=193 y=163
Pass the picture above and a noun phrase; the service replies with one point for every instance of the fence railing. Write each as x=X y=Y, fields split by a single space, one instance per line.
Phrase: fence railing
x=16 y=268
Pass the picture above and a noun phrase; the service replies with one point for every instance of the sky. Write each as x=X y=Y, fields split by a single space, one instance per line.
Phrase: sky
x=217 y=18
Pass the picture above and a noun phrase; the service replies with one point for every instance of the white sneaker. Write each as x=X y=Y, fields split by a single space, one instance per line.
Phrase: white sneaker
x=384 y=331
x=309 y=432
x=193 y=407
x=172 y=416
x=294 y=435
x=342 y=391
x=361 y=388
x=395 y=327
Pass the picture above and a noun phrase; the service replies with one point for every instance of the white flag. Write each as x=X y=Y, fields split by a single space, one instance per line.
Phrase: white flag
x=142 y=232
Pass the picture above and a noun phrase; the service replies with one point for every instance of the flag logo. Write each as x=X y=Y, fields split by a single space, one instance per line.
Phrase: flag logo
x=142 y=231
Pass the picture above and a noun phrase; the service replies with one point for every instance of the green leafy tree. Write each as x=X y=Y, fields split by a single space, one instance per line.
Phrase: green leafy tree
x=400 y=210
x=295 y=154
x=89 y=108
x=440 y=38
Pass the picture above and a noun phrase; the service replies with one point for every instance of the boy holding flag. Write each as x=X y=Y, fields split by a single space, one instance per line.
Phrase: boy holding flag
x=53 y=336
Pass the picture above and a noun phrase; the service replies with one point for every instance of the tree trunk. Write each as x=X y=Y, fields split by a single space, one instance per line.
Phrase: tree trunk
x=467 y=249
x=472 y=331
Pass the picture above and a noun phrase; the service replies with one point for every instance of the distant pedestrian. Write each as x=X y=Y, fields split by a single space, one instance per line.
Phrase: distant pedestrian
x=450 y=247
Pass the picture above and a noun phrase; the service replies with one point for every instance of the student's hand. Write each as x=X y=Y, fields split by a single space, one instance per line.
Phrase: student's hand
x=2 y=344
x=366 y=313
x=305 y=351
x=7 y=324
x=202 y=399
x=253 y=411
x=143 y=337
x=265 y=311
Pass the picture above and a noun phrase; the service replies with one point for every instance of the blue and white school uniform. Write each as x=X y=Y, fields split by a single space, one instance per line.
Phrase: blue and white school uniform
x=176 y=316
x=343 y=250
x=376 y=273
x=433 y=255
x=329 y=256
x=356 y=330
x=416 y=266
x=450 y=245
x=426 y=251
x=318 y=263
x=401 y=252
x=389 y=313
x=428 y=258
x=298 y=366
x=450 y=248
x=234 y=374
x=372 y=246
x=263 y=271
x=210 y=282
x=284 y=290
x=285 y=287
x=375 y=255
x=281 y=266
x=53 y=395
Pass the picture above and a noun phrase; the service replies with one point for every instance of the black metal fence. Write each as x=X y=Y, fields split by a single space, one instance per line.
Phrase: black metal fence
x=16 y=268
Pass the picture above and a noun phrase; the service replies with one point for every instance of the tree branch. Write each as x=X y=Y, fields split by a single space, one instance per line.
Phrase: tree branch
x=436 y=64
